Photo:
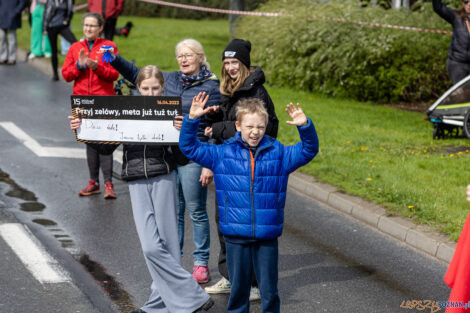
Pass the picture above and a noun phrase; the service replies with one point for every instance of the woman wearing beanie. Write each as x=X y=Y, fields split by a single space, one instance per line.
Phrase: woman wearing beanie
x=239 y=80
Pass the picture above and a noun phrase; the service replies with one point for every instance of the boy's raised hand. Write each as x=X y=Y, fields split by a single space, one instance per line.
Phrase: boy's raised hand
x=298 y=116
x=197 y=108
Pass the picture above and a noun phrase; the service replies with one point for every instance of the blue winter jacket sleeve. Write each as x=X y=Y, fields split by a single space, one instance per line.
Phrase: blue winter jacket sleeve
x=200 y=152
x=303 y=152
x=127 y=69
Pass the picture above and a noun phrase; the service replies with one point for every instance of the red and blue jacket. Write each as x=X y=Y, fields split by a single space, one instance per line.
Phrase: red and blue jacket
x=251 y=189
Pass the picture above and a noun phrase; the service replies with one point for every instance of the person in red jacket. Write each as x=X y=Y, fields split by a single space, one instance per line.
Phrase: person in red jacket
x=92 y=76
x=110 y=10
x=457 y=276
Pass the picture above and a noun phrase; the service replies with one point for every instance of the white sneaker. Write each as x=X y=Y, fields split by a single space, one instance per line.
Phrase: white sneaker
x=254 y=294
x=48 y=55
x=222 y=286
x=31 y=56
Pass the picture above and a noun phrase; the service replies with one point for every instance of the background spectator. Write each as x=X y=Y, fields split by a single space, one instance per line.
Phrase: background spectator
x=110 y=10
x=10 y=21
x=40 y=45
x=56 y=21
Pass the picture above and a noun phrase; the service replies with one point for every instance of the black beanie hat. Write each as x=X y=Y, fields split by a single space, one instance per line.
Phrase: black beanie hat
x=238 y=49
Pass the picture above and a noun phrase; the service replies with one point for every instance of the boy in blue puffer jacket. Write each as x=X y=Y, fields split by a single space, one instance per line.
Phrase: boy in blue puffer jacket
x=250 y=174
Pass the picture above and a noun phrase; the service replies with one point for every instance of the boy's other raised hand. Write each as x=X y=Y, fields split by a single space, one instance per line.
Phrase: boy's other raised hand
x=296 y=114
x=197 y=108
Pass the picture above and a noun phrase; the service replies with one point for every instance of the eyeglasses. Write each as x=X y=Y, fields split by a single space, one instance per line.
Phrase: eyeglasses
x=90 y=26
x=465 y=1
x=188 y=56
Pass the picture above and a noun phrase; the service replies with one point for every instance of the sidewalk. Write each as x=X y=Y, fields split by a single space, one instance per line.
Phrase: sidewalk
x=417 y=236
x=403 y=229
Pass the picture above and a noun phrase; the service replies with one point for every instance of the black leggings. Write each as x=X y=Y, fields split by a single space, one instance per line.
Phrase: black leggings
x=52 y=33
x=95 y=160
x=110 y=28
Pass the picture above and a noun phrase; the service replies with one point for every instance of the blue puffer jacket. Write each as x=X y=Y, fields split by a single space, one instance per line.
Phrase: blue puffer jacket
x=174 y=87
x=251 y=204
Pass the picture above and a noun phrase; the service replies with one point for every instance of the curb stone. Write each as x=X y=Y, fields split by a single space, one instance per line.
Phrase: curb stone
x=403 y=229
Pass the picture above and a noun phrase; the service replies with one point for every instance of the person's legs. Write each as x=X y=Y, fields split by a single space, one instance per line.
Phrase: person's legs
x=265 y=264
x=106 y=164
x=52 y=35
x=3 y=45
x=36 y=31
x=239 y=269
x=93 y=160
x=154 y=208
x=181 y=209
x=109 y=28
x=195 y=198
x=12 y=46
x=67 y=34
x=222 y=262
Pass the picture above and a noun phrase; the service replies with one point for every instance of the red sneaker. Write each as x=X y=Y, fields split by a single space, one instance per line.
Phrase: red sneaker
x=201 y=274
x=91 y=189
x=109 y=191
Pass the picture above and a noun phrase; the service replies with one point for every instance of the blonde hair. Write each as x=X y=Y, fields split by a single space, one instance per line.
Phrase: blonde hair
x=150 y=71
x=196 y=47
x=228 y=86
x=251 y=106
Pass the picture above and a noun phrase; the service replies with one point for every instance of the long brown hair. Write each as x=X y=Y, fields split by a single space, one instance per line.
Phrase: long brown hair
x=228 y=86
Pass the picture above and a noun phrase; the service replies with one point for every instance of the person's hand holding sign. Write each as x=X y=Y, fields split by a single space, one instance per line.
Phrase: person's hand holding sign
x=74 y=122
x=197 y=108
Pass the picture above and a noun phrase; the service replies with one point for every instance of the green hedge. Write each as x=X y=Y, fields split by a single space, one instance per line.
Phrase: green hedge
x=346 y=59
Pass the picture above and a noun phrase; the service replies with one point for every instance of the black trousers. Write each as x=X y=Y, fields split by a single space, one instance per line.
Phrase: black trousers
x=457 y=71
x=109 y=28
x=53 y=33
x=222 y=263
x=95 y=161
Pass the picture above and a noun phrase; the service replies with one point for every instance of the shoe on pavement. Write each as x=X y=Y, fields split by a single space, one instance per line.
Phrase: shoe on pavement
x=109 y=191
x=255 y=294
x=222 y=286
x=206 y=306
x=90 y=189
x=31 y=56
x=201 y=274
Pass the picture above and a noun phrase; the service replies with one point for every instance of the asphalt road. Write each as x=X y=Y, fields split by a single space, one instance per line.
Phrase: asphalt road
x=328 y=261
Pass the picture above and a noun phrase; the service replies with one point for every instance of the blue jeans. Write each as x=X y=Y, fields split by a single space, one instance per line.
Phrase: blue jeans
x=193 y=196
x=261 y=257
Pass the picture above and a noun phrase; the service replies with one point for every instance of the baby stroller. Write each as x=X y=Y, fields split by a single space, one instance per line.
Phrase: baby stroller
x=452 y=111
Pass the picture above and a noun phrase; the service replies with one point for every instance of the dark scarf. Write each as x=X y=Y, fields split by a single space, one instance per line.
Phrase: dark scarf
x=189 y=80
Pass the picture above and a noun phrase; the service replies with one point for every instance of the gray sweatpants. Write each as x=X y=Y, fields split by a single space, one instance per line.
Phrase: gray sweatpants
x=7 y=45
x=154 y=207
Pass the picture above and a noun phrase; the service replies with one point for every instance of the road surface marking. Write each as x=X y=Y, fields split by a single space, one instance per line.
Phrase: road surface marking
x=52 y=152
x=33 y=255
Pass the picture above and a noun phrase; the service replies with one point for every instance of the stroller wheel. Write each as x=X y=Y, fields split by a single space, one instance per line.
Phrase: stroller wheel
x=466 y=125
x=435 y=132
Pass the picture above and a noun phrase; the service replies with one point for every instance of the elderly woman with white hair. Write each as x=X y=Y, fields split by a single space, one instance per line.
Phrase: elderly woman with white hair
x=194 y=76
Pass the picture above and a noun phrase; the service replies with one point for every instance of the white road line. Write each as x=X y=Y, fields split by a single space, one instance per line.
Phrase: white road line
x=33 y=255
x=54 y=152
